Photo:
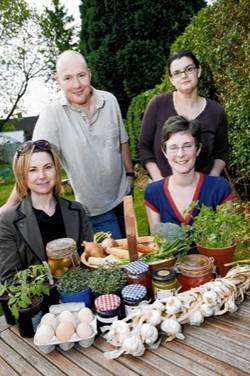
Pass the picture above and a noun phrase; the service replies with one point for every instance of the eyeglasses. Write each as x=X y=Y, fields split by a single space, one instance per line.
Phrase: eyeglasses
x=41 y=145
x=188 y=71
x=174 y=149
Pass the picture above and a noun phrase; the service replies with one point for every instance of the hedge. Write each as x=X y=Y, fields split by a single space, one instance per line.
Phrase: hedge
x=219 y=36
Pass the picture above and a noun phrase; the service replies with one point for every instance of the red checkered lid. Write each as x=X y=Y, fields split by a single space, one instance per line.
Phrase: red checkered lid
x=107 y=302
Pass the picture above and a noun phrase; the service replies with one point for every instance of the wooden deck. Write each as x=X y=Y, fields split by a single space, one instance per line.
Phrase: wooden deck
x=221 y=346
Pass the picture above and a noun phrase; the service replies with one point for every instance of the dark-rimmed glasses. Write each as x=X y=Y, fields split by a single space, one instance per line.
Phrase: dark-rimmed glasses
x=188 y=70
x=41 y=145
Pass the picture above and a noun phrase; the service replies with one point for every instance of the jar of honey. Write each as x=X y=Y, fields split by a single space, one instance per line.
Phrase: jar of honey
x=138 y=273
x=193 y=271
x=62 y=256
x=165 y=283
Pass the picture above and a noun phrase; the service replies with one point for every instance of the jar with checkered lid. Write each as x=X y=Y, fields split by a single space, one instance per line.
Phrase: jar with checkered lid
x=138 y=273
x=108 y=309
x=132 y=295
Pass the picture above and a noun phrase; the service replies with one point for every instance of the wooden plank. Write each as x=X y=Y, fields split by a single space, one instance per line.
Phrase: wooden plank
x=229 y=331
x=131 y=227
x=218 y=339
x=112 y=366
x=233 y=321
x=130 y=362
x=33 y=357
x=233 y=358
x=5 y=369
x=3 y=324
x=216 y=366
x=16 y=361
x=85 y=363
x=57 y=358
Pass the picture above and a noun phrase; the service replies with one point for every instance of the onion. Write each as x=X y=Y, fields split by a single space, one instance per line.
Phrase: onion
x=109 y=243
x=93 y=250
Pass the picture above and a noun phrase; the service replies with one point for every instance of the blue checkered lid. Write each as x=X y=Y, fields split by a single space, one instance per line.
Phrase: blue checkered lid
x=134 y=292
x=136 y=267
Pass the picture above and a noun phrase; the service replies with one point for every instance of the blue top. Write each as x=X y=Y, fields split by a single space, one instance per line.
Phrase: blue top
x=210 y=190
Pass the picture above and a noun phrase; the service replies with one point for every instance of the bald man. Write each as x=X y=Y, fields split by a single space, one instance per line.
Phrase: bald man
x=87 y=128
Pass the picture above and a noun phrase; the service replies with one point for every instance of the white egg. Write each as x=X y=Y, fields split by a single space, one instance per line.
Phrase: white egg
x=85 y=315
x=67 y=316
x=65 y=331
x=84 y=330
x=49 y=319
x=44 y=334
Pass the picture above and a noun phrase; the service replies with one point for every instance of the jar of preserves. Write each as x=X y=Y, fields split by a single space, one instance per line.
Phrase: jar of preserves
x=138 y=273
x=164 y=283
x=132 y=295
x=62 y=255
x=108 y=309
x=194 y=270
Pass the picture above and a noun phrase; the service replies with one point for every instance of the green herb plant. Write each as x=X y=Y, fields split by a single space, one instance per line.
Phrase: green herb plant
x=74 y=281
x=107 y=280
x=218 y=228
x=26 y=287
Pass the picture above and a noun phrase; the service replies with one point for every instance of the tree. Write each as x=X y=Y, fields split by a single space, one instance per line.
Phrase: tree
x=126 y=43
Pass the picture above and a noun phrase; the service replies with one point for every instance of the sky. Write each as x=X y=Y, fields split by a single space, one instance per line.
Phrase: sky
x=32 y=102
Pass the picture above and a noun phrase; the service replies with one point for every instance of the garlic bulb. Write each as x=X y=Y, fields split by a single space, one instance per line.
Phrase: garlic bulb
x=149 y=333
x=133 y=345
x=196 y=318
x=206 y=310
x=117 y=333
x=210 y=298
x=154 y=317
x=172 y=328
x=173 y=305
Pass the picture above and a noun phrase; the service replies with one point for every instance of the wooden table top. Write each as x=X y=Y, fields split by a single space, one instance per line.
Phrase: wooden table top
x=221 y=346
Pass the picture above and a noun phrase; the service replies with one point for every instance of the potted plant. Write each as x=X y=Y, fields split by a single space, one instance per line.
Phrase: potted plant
x=74 y=287
x=216 y=233
x=4 y=298
x=107 y=281
x=25 y=297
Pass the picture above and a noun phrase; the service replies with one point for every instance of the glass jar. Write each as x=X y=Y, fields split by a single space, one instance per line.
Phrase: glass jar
x=132 y=295
x=194 y=270
x=62 y=256
x=164 y=283
x=138 y=273
x=108 y=309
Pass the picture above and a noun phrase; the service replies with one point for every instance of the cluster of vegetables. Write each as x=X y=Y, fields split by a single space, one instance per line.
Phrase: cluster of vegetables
x=64 y=326
x=143 y=328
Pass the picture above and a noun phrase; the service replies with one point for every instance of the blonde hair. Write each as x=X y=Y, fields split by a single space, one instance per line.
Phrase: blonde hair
x=21 y=163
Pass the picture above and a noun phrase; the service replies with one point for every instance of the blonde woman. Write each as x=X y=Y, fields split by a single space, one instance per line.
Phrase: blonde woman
x=41 y=215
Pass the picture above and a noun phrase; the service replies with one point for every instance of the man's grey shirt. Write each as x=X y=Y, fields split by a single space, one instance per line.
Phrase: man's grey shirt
x=90 y=150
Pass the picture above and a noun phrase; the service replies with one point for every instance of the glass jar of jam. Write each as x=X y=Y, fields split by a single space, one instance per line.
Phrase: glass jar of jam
x=138 y=273
x=164 y=283
x=132 y=295
x=108 y=309
x=62 y=256
x=193 y=271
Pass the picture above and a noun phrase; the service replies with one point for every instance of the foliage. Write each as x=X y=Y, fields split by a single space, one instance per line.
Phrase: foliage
x=57 y=27
x=219 y=36
x=218 y=228
x=107 y=280
x=120 y=42
x=25 y=286
x=12 y=15
x=74 y=281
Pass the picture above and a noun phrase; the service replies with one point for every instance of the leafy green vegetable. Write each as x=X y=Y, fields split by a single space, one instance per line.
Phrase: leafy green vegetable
x=107 y=280
x=74 y=281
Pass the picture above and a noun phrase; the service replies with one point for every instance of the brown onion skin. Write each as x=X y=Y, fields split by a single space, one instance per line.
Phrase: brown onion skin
x=109 y=243
x=93 y=250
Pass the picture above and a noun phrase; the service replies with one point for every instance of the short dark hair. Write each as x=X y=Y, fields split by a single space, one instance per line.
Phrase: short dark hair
x=178 y=123
x=179 y=55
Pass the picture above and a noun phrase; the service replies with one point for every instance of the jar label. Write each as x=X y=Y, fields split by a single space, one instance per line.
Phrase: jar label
x=162 y=294
x=106 y=320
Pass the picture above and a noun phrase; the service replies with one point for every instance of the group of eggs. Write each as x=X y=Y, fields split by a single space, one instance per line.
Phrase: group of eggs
x=64 y=326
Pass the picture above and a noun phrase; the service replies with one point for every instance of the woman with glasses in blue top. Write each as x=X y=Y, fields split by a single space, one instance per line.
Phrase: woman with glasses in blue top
x=170 y=199
x=184 y=72
x=41 y=215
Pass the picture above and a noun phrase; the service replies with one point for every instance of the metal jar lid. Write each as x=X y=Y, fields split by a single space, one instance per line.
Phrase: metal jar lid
x=194 y=265
x=134 y=292
x=107 y=302
x=137 y=267
x=164 y=275
x=60 y=247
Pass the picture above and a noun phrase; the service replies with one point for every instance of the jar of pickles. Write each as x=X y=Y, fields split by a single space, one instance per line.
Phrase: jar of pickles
x=164 y=283
x=62 y=255
x=132 y=295
x=138 y=273
x=194 y=270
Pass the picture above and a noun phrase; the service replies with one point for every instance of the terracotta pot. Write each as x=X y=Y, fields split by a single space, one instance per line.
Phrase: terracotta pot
x=221 y=256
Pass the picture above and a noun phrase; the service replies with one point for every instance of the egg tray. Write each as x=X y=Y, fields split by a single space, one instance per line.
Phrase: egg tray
x=65 y=346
